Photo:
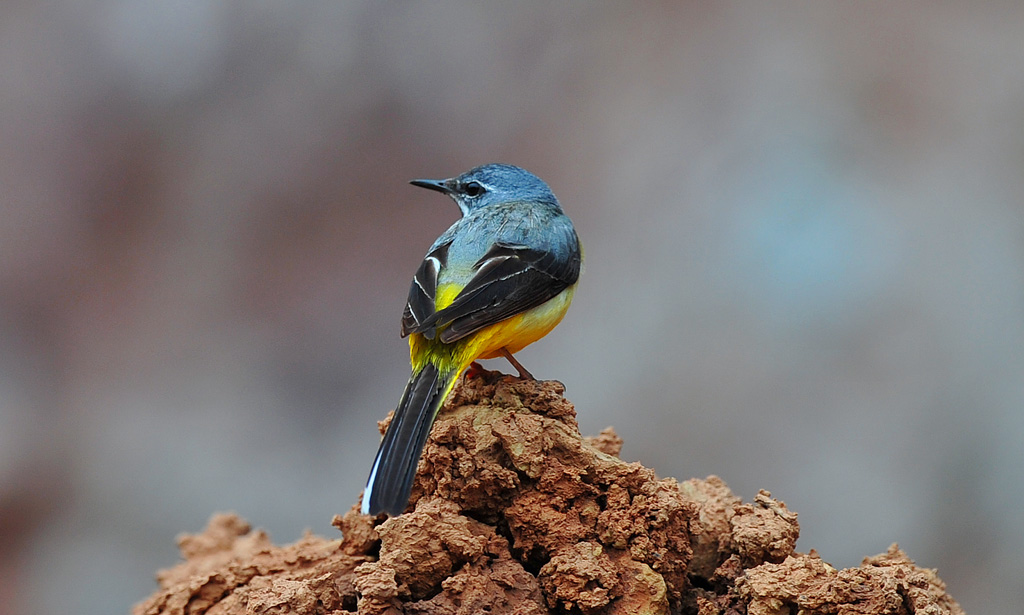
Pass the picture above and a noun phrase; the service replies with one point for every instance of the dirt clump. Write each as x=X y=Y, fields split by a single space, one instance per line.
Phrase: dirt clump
x=514 y=512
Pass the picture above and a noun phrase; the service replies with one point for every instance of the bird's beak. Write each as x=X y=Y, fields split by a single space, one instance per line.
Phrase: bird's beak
x=440 y=185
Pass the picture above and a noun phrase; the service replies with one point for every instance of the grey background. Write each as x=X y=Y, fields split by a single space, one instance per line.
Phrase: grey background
x=804 y=256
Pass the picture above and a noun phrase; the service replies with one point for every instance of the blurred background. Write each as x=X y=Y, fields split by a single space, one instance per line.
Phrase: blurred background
x=803 y=229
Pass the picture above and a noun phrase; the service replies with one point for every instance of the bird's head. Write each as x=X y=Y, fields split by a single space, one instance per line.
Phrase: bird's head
x=491 y=184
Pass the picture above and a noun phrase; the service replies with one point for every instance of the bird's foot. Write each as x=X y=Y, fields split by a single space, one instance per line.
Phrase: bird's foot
x=475 y=370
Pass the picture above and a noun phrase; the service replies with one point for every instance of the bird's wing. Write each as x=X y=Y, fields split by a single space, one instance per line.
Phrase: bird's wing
x=423 y=291
x=508 y=279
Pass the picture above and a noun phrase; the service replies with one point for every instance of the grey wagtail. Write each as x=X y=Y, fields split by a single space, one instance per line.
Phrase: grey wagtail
x=498 y=280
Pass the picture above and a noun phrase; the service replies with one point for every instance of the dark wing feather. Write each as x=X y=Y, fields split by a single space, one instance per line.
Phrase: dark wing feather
x=510 y=279
x=422 y=292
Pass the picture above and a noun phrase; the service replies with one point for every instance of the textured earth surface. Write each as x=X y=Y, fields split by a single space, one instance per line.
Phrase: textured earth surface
x=514 y=512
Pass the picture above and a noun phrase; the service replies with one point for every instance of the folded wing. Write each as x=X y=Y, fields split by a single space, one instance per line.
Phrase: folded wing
x=508 y=279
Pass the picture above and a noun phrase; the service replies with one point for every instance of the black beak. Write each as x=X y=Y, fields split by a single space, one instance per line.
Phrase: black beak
x=440 y=185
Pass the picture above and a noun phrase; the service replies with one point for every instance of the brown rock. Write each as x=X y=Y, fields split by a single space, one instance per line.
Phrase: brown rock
x=888 y=583
x=514 y=512
x=764 y=531
x=230 y=569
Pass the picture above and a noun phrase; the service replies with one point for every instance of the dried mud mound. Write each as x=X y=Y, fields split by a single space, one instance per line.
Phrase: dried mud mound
x=514 y=512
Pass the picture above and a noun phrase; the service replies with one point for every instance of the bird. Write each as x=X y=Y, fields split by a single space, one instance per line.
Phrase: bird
x=500 y=278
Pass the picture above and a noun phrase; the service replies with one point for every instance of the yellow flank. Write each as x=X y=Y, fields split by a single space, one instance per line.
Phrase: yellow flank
x=523 y=329
x=514 y=334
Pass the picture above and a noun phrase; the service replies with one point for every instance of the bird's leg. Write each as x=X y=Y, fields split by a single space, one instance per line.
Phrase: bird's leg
x=525 y=375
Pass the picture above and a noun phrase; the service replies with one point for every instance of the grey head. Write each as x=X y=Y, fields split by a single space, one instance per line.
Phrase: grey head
x=491 y=184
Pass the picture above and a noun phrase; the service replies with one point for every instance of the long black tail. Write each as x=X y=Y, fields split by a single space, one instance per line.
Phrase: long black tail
x=394 y=469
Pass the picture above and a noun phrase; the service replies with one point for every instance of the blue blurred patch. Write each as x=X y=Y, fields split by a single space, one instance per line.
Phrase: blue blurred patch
x=805 y=245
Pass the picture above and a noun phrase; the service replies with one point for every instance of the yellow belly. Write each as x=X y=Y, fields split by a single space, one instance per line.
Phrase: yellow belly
x=514 y=334
x=521 y=330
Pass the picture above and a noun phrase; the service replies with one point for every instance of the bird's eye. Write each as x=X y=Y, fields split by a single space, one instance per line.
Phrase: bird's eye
x=472 y=189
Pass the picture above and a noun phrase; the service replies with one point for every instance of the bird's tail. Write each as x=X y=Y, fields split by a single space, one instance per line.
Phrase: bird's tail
x=394 y=469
